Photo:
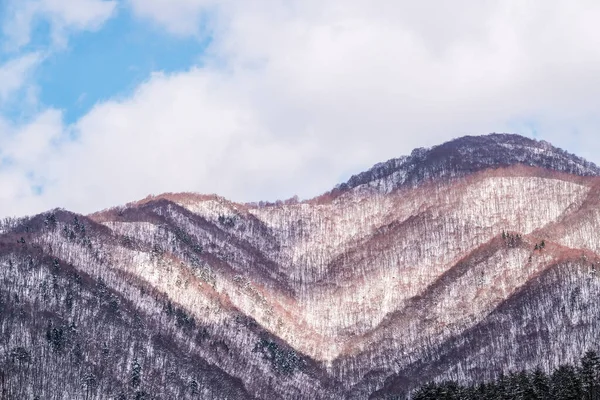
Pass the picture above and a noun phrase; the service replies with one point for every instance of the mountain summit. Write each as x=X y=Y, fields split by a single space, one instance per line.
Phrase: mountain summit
x=467 y=155
x=465 y=261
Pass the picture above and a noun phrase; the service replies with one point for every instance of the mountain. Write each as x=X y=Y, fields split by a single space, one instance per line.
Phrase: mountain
x=465 y=156
x=475 y=257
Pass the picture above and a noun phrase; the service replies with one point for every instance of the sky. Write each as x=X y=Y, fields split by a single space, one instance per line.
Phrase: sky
x=103 y=102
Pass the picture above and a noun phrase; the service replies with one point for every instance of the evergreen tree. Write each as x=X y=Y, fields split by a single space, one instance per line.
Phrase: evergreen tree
x=512 y=388
x=194 y=388
x=518 y=387
x=450 y=390
x=565 y=384
x=426 y=392
x=590 y=375
x=541 y=385
x=136 y=374
x=501 y=390
x=526 y=391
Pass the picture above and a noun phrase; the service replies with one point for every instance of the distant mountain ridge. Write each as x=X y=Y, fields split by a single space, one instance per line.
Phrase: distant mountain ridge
x=469 y=154
x=470 y=259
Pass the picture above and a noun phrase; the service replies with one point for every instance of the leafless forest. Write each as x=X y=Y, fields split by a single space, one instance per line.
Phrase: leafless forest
x=461 y=262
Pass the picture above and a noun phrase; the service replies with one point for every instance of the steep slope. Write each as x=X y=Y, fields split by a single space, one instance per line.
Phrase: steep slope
x=556 y=319
x=149 y=306
x=69 y=336
x=424 y=267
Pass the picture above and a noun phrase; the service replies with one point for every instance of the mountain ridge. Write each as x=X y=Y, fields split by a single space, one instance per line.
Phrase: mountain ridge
x=450 y=159
x=336 y=297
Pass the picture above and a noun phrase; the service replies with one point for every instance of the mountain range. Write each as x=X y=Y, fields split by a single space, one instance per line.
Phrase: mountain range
x=462 y=261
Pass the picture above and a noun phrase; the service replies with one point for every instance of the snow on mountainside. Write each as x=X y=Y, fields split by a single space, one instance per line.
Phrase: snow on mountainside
x=461 y=261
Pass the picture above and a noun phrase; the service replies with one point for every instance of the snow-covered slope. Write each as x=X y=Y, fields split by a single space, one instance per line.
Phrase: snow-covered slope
x=441 y=264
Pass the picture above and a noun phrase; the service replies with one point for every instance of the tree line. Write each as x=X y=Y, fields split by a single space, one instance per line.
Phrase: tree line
x=566 y=382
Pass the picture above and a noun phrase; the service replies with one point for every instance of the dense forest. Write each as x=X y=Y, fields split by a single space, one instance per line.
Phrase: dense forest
x=445 y=267
x=567 y=382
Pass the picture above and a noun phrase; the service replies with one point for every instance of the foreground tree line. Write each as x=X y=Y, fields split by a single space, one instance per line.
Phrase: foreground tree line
x=567 y=382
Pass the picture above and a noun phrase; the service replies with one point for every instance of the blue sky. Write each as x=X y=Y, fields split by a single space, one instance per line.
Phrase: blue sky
x=100 y=65
x=112 y=62
x=106 y=101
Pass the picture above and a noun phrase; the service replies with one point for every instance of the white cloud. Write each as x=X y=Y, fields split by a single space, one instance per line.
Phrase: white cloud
x=295 y=95
x=182 y=17
x=63 y=16
x=25 y=152
x=27 y=148
x=15 y=73
x=203 y=138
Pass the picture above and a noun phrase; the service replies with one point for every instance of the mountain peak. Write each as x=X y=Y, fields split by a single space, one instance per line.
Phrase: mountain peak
x=465 y=155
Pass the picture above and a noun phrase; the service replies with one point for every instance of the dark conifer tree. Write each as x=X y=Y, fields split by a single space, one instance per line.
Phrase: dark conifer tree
x=136 y=374
x=541 y=385
x=590 y=375
x=565 y=384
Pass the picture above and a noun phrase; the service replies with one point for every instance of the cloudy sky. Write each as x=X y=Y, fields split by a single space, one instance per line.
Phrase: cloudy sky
x=106 y=101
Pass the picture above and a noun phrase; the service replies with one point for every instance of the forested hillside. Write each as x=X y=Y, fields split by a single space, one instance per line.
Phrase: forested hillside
x=460 y=263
